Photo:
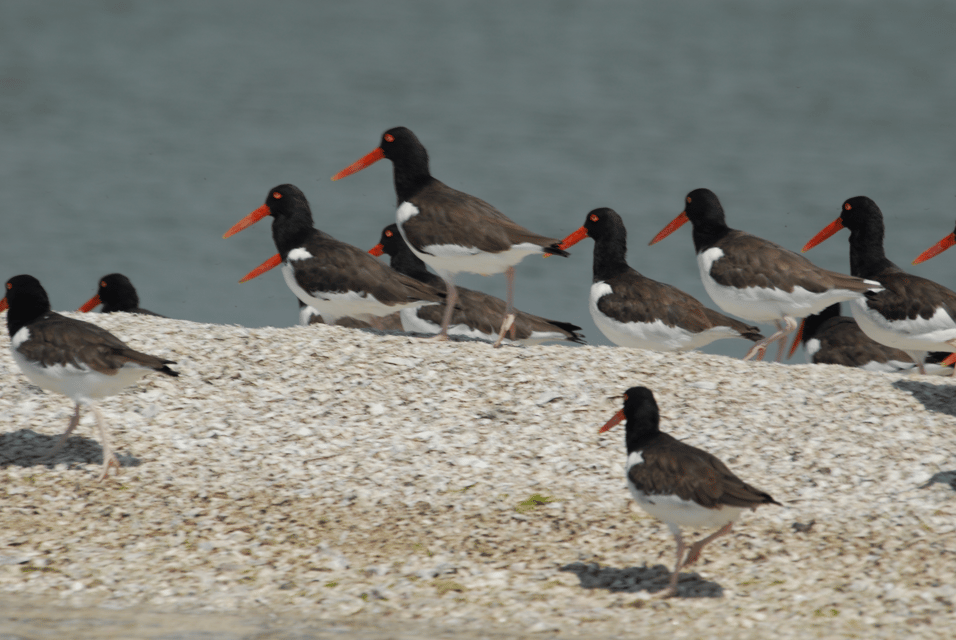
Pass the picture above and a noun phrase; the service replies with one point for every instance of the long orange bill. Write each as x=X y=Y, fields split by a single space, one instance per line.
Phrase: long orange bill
x=950 y=359
x=797 y=338
x=825 y=233
x=271 y=263
x=936 y=249
x=571 y=240
x=368 y=159
x=248 y=221
x=613 y=421
x=4 y=305
x=90 y=304
x=674 y=225
x=377 y=250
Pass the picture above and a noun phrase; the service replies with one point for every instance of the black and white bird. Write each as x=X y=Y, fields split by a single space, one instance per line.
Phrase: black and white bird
x=910 y=313
x=678 y=484
x=478 y=314
x=116 y=293
x=831 y=338
x=449 y=230
x=77 y=359
x=756 y=279
x=308 y=315
x=334 y=278
x=635 y=311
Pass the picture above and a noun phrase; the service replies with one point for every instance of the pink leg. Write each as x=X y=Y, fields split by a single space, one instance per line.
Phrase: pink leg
x=75 y=420
x=698 y=546
x=109 y=458
x=451 y=299
x=508 y=322
x=760 y=348
x=672 y=586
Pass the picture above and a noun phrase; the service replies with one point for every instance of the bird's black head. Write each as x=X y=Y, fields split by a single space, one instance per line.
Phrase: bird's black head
x=116 y=292
x=287 y=200
x=702 y=206
x=861 y=213
x=27 y=301
x=392 y=241
x=399 y=143
x=605 y=223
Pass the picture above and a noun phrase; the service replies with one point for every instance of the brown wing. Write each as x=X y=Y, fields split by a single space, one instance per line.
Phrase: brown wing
x=761 y=263
x=58 y=340
x=484 y=313
x=672 y=467
x=338 y=267
x=906 y=297
x=636 y=298
x=444 y=211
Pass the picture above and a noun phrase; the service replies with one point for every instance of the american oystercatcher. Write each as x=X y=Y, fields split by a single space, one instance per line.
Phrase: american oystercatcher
x=676 y=483
x=634 y=311
x=477 y=315
x=937 y=248
x=831 y=338
x=116 y=293
x=756 y=279
x=910 y=313
x=449 y=230
x=308 y=315
x=334 y=278
x=77 y=359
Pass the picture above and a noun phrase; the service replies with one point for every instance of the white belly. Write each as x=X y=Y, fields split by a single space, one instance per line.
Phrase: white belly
x=763 y=304
x=81 y=385
x=654 y=336
x=934 y=334
x=333 y=306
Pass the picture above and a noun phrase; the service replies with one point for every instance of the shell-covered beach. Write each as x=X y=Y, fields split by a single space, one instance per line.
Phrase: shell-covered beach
x=342 y=475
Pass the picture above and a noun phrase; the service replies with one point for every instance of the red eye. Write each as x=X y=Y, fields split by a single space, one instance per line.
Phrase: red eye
x=103 y=283
x=9 y=286
x=388 y=234
x=846 y=205
x=276 y=195
x=389 y=137
x=688 y=199
x=593 y=217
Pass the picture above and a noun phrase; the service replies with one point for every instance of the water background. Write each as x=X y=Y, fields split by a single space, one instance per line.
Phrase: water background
x=133 y=134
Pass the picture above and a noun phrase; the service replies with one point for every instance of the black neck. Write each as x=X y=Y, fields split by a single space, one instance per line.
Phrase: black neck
x=407 y=263
x=610 y=256
x=290 y=232
x=867 y=257
x=708 y=232
x=643 y=425
x=24 y=311
x=411 y=175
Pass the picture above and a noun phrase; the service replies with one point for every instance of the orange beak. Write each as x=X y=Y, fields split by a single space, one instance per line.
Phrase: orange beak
x=248 y=221
x=571 y=240
x=825 y=233
x=616 y=419
x=936 y=249
x=90 y=304
x=4 y=305
x=674 y=225
x=377 y=250
x=271 y=263
x=797 y=338
x=949 y=361
x=368 y=159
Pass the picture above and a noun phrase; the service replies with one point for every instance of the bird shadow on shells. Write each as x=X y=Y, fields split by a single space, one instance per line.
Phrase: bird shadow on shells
x=636 y=579
x=934 y=397
x=27 y=448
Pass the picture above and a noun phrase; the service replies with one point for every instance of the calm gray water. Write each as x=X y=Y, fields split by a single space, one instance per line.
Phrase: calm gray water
x=135 y=133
